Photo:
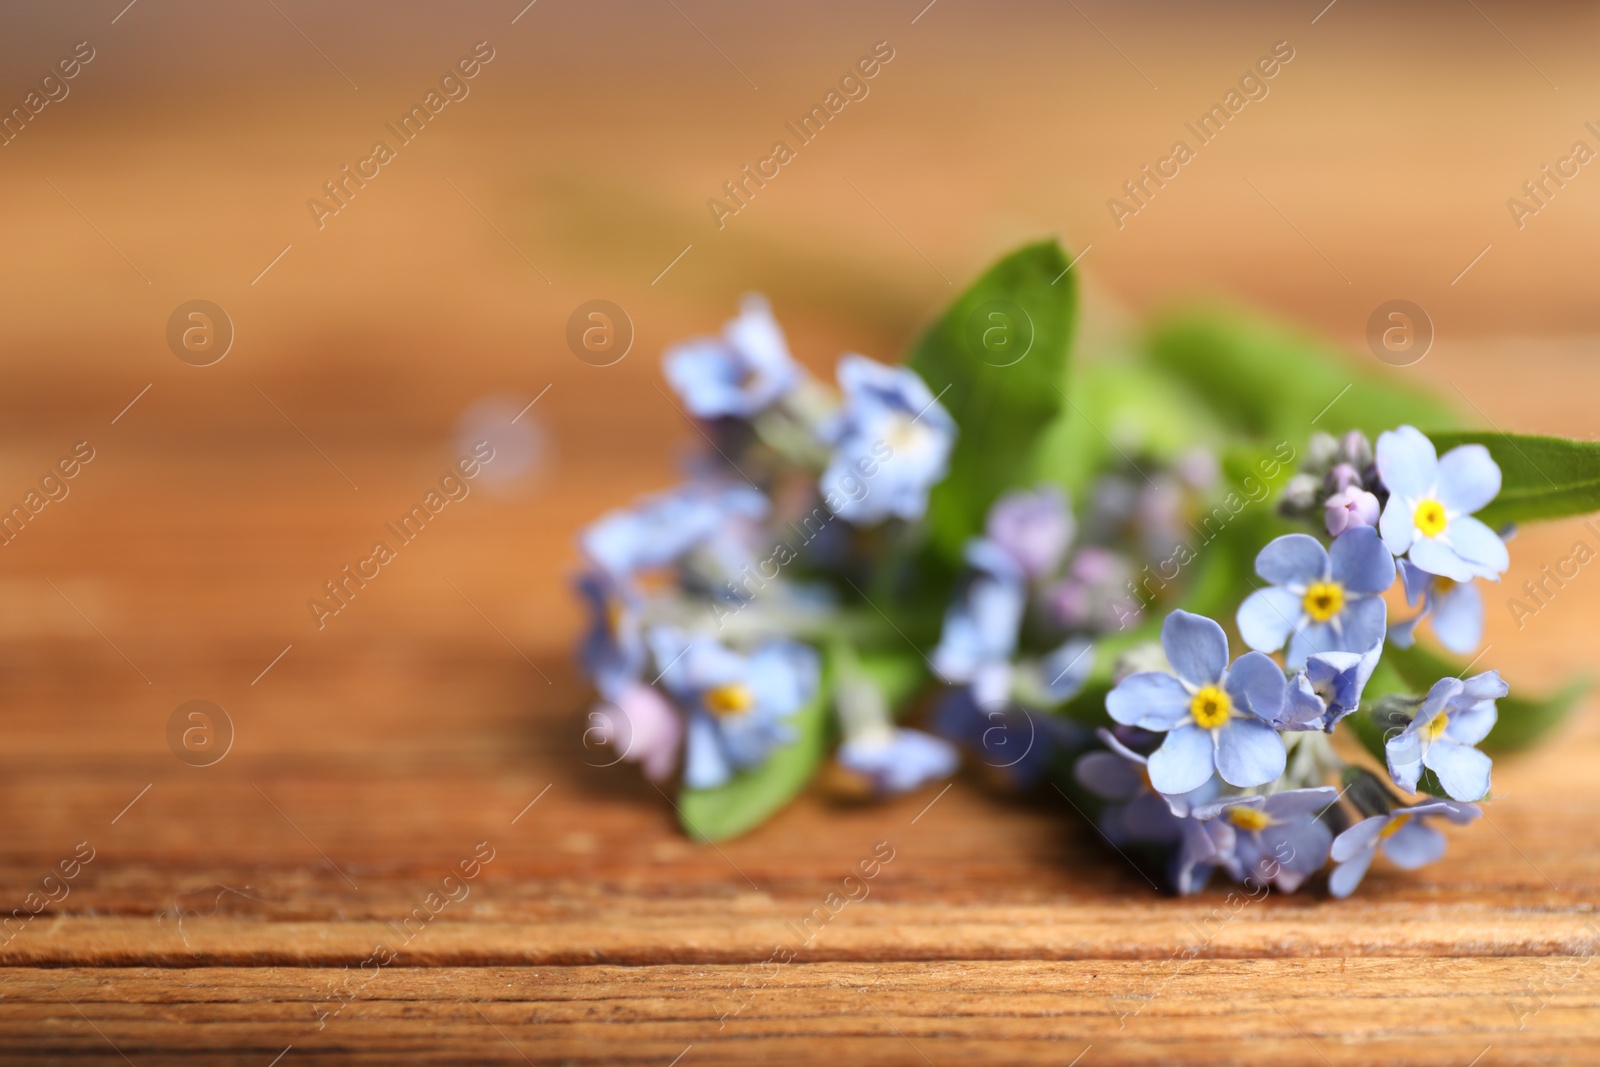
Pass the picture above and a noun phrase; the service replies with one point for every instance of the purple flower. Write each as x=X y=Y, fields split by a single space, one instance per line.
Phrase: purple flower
x=899 y=760
x=1275 y=839
x=1034 y=528
x=1320 y=600
x=745 y=370
x=1350 y=506
x=1403 y=834
x=640 y=721
x=1431 y=501
x=1215 y=719
x=1455 y=716
x=1328 y=689
x=1137 y=813
x=1456 y=609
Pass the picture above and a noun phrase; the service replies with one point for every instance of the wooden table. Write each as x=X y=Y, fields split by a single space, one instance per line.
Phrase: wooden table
x=227 y=910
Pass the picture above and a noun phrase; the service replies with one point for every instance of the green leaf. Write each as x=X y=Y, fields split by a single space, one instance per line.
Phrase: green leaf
x=996 y=358
x=899 y=673
x=1267 y=380
x=751 y=797
x=1522 y=720
x=1541 y=477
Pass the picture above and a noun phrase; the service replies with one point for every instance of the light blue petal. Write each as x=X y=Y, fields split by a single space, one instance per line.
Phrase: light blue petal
x=704 y=764
x=1184 y=761
x=1403 y=634
x=1065 y=670
x=1347 y=875
x=1152 y=700
x=1471 y=724
x=1196 y=647
x=1362 y=837
x=1303 y=709
x=1416 y=580
x=1364 y=622
x=1468 y=478
x=1414 y=845
x=1486 y=686
x=1464 y=772
x=1403 y=753
x=1293 y=559
x=1249 y=753
x=1314 y=639
x=1361 y=562
x=1299 y=803
x=1478 y=545
x=1267 y=618
x=1300 y=847
x=1396 y=525
x=1436 y=557
x=1256 y=684
x=1458 y=619
x=1407 y=462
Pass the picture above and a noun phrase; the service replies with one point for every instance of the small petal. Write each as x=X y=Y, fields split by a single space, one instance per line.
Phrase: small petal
x=1436 y=557
x=1396 y=526
x=1360 y=561
x=1468 y=478
x=1407 y=462
x=1108 y=776
x=1364 y=622
x=704 y=764
x=1362 y=837
x=1479 y=546
x=1267 y=618
x=1184 y=761
x=1196 y=647
x=1471 y=724
x=1256 y=684
x=1458 y=618
x=1249 y=753
x=1416 y=581
x=1413 y=845
x=1347 y=875
x=1463 y=771
x=1293 y=559
x=1152 y=700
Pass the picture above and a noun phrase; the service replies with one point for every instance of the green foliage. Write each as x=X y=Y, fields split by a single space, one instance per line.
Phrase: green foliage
x=997 y=357
x=1542 y=477
x=1268 y=381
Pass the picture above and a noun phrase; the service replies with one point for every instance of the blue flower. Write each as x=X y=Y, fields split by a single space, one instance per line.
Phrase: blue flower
x=1199 y=853
x=981 y=626
x=1456 y=608
x=745 y=370
x=1431 y=501
x=1328 y=689
x=1033 y=528
x=1320 y=600
x=613 y=651
x=738 y=704
x=1138 y=813
x=1214 y=718
x=891 y=442
x=1275 y=839
x=1404 y=835
x=1455 y=716
x=661 y=528
x=899 y=760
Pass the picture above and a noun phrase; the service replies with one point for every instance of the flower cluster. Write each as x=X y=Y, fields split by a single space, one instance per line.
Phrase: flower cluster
x=709 y=602
x=1225 y=763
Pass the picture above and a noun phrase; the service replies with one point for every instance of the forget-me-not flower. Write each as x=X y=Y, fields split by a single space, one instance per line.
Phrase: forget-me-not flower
x=982 y=625
x=661 y=528
x=745 y=370
x=1455 y=716
x=738 y=704
x=891 y=443
x=1328 y=689
x=898 y=760
x=1320 y=600
x=1403 y=834
x=1214 y=718
x=1431 y=501
x=613 y=650
x=1275 y=839
x=1455 y=607
x=1137 y=813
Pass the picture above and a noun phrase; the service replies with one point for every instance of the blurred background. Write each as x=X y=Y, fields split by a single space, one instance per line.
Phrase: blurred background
x=186 y=156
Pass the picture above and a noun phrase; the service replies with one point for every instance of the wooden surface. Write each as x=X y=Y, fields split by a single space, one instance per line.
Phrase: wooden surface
x=227 y=910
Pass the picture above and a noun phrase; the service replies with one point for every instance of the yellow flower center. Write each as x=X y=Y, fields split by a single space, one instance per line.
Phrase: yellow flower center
x=1435 y=726
x=1324 y=600
x=1251 y=819
x=730 y=699
x=1211 y=707
x=1430 y=518
x=1442 y=585
x=1394 y=826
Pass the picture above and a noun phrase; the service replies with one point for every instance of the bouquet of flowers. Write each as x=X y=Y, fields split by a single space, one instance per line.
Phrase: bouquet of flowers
x=1033 y=558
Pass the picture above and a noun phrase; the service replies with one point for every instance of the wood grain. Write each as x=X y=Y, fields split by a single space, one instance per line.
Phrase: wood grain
x=227 y=910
